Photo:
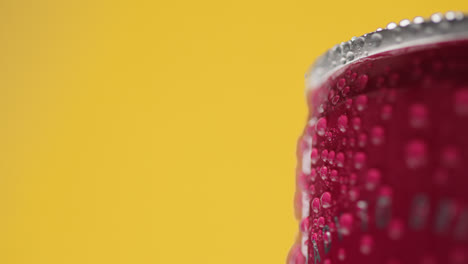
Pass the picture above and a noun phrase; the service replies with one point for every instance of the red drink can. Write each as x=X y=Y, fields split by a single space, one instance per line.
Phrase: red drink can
x=382 y=173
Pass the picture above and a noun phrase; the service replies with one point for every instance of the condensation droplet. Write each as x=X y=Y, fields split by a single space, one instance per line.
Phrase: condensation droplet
x=329 y=135
x=405 y=22
x=311 y=189
x=343 y=188
x=386 y=112
x=353 y=194
x=326 y=200
x=349 y=56
x=356 y=123
x=321 y=109
x=362 y=140
x=361 y=102
x=340 y=158
x=321 y=222
x=396 y=229
x=341 y=254
x=313 y=174
x=437 y=18
x=362 y=82
x=346 y=224
x=418 y=115
x=377 y=135
x=352 y=179
x=316 y=205
x=419 y=212
x=324 y=155
x=345 y=91
x=349 y=103
x=450 y=16
x=416 y=154
x=314 y=156
x=383 y=210
x=461 y=102
x=337 y=50
x=418 y=20
x=343 y=123
x=323 y=172
x=392 y=25
x=361 y=207
x=345 y=47
x=445 y=213
x=321 y=126
x=331 y=157
x=334 y=175
x=376 y=39
x=372 y=179
x=358 y=43
x=335 y=99
x=359 y=160
x=341 y=83
x=367 y=244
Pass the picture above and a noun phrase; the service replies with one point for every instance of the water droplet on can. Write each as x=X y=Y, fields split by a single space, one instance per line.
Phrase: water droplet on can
x=346 y=224
x=323 y=172
x=367 y=244
x=356 y=123
x=437 y=18
x=362 y=82
x=314 y=156
x=316 y=205
x=361 y=102
x=326 y=200
x=376 y=39
x=341 y=83
x=377 y=135
x=405 y=22
x=461 y=102
x=418 y=115
x=416 y=154
x=359 y=160
x=373 y=179
x=392 y=26
x=321 y=126
x=396 y=229
x=386 y=113
x=340 y=158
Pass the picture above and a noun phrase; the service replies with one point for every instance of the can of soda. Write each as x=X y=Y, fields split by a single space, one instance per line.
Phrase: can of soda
x=382 y=173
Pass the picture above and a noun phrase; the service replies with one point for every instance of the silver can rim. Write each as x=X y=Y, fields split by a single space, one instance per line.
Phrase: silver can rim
x=439 y=27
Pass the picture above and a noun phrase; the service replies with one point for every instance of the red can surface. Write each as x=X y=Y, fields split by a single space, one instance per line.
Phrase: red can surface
x=382 y=172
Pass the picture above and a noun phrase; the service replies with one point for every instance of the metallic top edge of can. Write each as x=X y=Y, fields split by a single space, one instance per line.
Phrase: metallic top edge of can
x=439 y=27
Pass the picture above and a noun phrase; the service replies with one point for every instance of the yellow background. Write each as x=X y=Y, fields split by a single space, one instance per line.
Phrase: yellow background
x=160 y=131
